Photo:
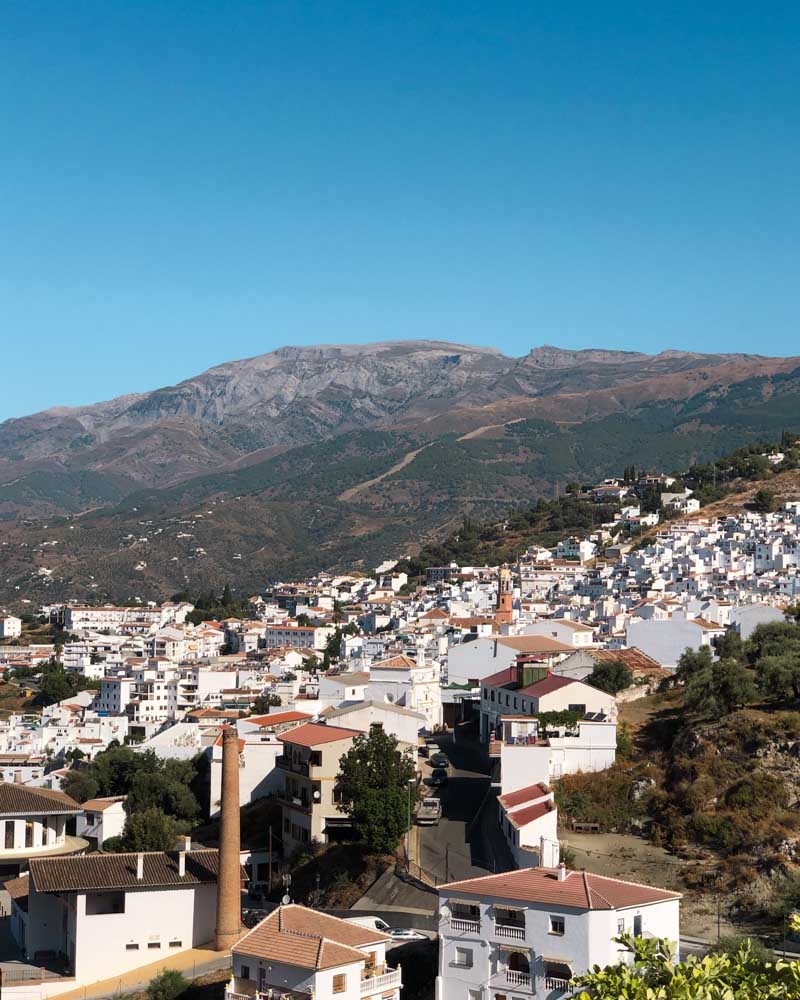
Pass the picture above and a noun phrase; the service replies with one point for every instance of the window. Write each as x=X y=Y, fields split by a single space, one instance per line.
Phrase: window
x=637 y=925
x=176 y=944
x=104 y=902
x=492 y=696
x=9 y=841
x=245 y=972
x=556 y=925
x=131 y=947
x=339 y=983
x=581 y=709
x=463 y=959
x=153 y=944
x=29 y=834
x=621 y=925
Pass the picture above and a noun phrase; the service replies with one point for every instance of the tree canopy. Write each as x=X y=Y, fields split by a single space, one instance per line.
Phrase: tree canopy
x=742 y=974
x=374 y=788
x=611 y=676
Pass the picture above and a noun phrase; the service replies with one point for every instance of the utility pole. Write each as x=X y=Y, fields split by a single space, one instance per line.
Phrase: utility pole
x=270 y=859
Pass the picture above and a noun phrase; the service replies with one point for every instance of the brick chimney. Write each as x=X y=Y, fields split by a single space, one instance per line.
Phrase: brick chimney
x=228 y=930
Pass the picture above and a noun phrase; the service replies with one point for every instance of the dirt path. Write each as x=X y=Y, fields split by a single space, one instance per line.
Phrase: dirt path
x=489 y=427
x=407 y=459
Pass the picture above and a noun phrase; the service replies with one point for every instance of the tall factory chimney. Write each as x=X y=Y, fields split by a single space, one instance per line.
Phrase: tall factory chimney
x=228 y=930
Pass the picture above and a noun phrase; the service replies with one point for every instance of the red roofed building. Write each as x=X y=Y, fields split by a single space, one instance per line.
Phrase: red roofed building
x=528 y=932
x=310 y=769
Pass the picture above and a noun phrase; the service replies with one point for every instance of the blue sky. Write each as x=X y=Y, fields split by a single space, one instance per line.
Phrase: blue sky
x=183 y=183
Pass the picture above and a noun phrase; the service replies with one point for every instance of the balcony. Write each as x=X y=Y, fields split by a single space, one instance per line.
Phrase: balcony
x=389 y=980
x=295 y=766
x=518 y=978
x=551 y=983
x=510 y=932
x=462 y=926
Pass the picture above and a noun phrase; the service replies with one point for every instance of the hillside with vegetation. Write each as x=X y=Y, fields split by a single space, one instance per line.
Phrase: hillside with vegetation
x=352 y=500
x=713 y=772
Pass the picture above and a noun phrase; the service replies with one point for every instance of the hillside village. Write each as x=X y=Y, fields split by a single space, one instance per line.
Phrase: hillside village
x=164 y=753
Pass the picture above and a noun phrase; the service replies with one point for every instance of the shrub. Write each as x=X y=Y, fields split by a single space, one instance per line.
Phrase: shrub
x=167 y=985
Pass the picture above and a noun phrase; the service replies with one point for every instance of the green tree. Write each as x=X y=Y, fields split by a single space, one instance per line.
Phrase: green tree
x=167 y=790
x=263 y=703
x=304 y=620
x=693 y=661
x=764 y=501
x=742 y=974
x=55 y=685
x=779 y=677
x=167 y=985
x=720 y=689
x=151 y=830
x=80 y=785
x=730 y=646
x=374 y=786
x=611 y=676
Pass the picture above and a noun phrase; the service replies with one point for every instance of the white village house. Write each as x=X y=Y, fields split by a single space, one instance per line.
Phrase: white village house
x=527 y=933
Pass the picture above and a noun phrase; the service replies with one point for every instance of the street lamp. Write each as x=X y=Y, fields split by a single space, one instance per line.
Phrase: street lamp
x=408 y=826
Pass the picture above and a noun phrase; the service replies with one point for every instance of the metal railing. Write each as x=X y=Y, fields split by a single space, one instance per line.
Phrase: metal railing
x=515 y=932
x=374 y=983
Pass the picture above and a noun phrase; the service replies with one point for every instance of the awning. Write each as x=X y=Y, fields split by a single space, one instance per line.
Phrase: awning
x=556 y=961
x=462 y=902
x=512 y=947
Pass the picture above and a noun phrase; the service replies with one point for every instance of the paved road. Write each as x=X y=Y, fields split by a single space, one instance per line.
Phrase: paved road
x=468 y=841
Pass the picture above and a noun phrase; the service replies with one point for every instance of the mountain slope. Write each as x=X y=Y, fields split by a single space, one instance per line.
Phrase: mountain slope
x=310 y=458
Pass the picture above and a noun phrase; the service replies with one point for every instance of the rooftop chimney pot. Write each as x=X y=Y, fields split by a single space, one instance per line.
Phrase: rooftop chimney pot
x=562 y=872
x=181 y=863
x=140 y=867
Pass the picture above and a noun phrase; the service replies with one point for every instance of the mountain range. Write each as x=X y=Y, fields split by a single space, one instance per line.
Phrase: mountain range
x=318 y=457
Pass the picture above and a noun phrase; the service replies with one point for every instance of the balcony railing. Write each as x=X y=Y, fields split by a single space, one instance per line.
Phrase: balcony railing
x=373 y=984
x=551 y=983
x=465 y=926
x=518 y=978
x=513 y=932
x=296 y=766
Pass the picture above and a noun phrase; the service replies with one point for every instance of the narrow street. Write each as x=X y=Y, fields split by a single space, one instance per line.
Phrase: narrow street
x=468 y=841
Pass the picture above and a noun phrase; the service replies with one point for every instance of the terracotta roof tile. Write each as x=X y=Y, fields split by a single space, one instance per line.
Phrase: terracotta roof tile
x=522 y=795
x=579 y=890
x=118 y=871
x=303 y=937
x=16 y=798
x=313 y=734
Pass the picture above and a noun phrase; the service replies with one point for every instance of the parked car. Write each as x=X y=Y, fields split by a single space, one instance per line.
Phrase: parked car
x=396 y=933
x=424 y=750
x=429 y=812
x=439 y=760
x=438 y=777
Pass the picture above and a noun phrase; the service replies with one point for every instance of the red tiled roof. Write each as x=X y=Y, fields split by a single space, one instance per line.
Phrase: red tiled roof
x=295 y=935
x=278 y=718
x=547 y=685
x=507 y=676
x=579 y=890
x=313 y=734
x=521 y=795
x=527 y=815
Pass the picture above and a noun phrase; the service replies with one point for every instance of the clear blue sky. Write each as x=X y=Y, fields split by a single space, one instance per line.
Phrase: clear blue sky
x=183 y=183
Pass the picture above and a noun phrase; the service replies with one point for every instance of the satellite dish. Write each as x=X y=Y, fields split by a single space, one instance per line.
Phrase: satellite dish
x=286 y=900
